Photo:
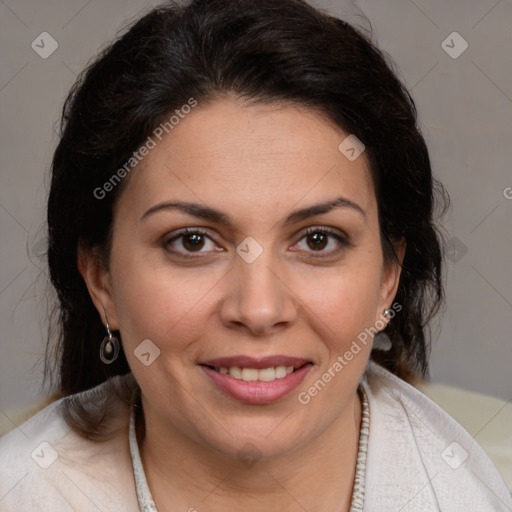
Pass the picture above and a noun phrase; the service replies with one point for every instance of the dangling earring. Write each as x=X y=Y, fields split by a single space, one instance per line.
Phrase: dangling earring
x=109 y=349
x=382 y=342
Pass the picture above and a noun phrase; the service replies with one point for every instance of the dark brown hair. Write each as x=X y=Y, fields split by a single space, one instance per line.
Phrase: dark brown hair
x=264 y=51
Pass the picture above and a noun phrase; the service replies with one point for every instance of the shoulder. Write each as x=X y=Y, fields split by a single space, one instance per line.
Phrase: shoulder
x=420 y=458
x=45 y=465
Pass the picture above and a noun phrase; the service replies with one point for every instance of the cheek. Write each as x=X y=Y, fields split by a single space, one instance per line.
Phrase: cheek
x=158 y=303
x=346 y=300
x=346 y=306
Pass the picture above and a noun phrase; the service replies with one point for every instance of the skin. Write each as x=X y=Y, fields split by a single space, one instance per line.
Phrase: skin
x=256 y=164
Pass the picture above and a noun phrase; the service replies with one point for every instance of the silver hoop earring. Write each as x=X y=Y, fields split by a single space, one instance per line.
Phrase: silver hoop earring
x=387 y=312
x=109 y=348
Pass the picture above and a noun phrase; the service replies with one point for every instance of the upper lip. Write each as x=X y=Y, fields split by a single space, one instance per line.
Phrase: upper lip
x=255 y=362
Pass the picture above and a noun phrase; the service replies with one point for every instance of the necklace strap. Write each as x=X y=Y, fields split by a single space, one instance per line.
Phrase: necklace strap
x=364 y=434
x=146 y=503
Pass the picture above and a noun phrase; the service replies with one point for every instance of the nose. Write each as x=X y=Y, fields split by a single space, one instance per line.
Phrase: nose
x=259 y=297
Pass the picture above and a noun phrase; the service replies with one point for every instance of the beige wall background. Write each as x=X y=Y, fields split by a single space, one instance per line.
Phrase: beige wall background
x=464 y=96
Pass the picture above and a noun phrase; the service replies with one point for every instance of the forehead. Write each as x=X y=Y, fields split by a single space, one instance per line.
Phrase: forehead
x=230 y=154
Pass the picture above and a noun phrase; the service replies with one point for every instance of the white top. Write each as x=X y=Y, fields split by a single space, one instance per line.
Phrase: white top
x=147 y=504
x=418 y=460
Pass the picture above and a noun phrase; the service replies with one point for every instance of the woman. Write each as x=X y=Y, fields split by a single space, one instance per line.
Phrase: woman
x=242 y=240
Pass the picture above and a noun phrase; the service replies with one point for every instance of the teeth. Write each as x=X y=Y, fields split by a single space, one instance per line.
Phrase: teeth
x=249 y=374
x=281 y=372
x=253 y=374
x=267 y=374
x=235 y=372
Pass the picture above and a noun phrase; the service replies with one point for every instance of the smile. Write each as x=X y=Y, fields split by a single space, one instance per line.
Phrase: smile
x=253 y=374
x=256 y=381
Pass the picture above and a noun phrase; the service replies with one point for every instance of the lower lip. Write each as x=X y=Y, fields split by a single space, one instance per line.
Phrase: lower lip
x=257 y=392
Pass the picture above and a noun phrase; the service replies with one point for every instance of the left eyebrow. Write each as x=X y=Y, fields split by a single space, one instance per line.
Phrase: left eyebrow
x=322 y=208
x=208 y=213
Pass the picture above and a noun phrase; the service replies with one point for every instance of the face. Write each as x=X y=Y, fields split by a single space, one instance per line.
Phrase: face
x=250 y=289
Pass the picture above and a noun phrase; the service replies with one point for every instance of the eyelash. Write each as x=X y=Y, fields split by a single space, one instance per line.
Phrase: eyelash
x=342 y=240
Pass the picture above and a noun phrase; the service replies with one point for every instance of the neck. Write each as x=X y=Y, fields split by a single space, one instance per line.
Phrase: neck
x=185 y=475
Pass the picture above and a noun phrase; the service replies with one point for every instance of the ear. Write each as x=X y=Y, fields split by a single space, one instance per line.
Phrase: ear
x=391 y=276
x=98 y=281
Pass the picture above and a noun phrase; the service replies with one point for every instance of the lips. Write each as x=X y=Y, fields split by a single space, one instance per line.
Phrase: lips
x=256 y=380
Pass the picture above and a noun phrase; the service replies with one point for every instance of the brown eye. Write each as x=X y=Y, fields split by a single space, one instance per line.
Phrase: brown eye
x=323 y=241
x=317 y=241
x=193 y=241
x=190 y=241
